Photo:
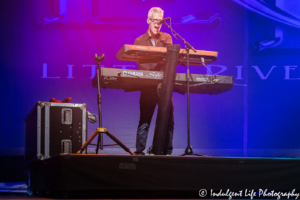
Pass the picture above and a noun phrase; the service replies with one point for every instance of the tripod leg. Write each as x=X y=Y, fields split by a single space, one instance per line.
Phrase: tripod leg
x=98 y=143
x=84 y=146
x=118 y=142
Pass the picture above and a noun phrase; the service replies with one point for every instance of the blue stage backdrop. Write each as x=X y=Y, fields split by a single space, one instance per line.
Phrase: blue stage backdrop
x=48 y=46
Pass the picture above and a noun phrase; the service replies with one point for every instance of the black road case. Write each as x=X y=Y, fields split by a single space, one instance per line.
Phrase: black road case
x=54 y=128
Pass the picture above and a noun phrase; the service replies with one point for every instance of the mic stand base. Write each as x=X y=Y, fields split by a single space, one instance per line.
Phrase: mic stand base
x=99 y=131
x=189 y=152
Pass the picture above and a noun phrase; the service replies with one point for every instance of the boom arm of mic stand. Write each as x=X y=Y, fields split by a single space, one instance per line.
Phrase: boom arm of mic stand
x=189 y=46
x=176 y=34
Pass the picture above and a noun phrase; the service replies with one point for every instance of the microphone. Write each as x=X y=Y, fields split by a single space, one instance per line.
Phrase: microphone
x=163 y=20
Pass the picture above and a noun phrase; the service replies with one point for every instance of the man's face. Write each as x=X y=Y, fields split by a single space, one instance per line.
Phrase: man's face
x=154 y=28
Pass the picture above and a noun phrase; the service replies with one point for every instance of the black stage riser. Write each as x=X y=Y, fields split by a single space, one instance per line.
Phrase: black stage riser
x=162 y=173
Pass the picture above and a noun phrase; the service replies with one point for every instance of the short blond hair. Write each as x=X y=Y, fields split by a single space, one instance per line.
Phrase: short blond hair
x=155 y=10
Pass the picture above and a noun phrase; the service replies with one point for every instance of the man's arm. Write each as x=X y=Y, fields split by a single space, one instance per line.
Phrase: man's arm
x=136 y=41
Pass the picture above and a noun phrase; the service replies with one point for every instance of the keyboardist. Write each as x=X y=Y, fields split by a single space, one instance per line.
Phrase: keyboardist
x=149 y=97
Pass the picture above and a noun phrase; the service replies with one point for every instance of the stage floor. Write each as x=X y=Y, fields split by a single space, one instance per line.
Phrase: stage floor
x=127 y=176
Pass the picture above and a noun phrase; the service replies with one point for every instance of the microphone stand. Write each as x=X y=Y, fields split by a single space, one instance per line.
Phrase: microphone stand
x=188 y=47
x=99 y=131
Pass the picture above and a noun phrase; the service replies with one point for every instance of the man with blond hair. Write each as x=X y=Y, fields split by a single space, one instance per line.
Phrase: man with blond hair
x=149 y=97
